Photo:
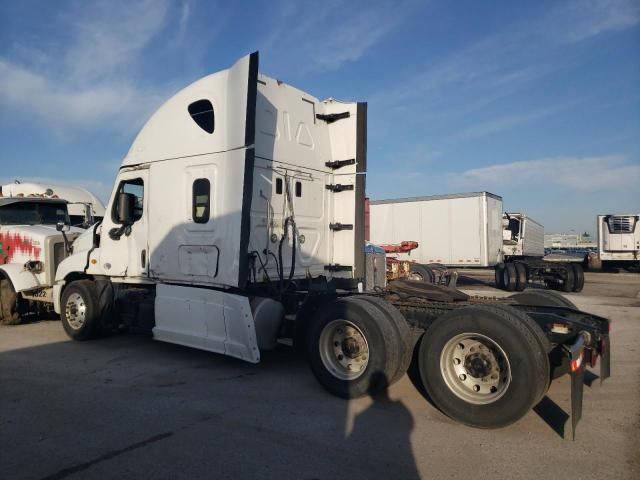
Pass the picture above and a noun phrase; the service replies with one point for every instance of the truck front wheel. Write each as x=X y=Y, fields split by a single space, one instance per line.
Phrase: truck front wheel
x=9 y=303
x=483 y=366
x=352 y=348
x=80 y=316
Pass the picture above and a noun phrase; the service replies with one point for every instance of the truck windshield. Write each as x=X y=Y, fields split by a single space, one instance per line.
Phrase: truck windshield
x=33 y=213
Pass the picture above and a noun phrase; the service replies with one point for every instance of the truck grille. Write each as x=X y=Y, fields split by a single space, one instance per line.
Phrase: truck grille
x=621 y=224
x=58 y=254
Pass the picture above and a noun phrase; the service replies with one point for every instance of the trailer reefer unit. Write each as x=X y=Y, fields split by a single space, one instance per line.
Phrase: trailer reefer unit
x=237 y=221
x=461 y=230
x=619 y=240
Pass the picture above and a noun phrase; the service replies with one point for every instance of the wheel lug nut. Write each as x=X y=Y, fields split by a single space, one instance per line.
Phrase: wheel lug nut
x=476 y=388
x=462 y=377
x=456 y=361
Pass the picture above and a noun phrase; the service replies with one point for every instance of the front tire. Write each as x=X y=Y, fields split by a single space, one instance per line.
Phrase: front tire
x=9 y=304
x=483 y=366
x=79 y=310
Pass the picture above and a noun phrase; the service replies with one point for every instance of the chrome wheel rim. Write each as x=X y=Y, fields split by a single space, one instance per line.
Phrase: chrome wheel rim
x=75 y=311
x=415 y=276
x=475 y=368
x=344 y=350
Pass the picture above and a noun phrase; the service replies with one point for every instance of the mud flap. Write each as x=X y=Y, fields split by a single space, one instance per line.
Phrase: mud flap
x=577 y=390
x=605 y=358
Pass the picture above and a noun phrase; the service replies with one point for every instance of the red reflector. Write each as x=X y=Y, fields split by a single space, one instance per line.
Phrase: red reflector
x=594 y=358
x=575 y=364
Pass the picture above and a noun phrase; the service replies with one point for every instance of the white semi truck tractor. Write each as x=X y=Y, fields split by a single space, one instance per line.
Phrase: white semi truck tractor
x=524 y=259
x=619 y=241
x=237 y=221
x=30 y=251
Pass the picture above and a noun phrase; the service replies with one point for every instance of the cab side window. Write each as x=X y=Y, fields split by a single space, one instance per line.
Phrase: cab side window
x=201 y=201
x=134 y=186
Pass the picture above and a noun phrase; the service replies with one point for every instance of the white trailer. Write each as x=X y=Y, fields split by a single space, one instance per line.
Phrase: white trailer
x=83 y=206
x=460 y=230
x=619 y=240
x=237 y=220
x=470 y=230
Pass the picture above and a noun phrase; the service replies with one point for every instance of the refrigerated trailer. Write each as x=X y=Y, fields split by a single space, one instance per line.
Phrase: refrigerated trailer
x=237 y=221
x=619 y=241
x=470 y=230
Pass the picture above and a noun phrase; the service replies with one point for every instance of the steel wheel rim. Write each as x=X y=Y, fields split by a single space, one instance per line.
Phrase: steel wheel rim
x=75 y=311
x=475 y=368
x=344 y=349
x=415 y=276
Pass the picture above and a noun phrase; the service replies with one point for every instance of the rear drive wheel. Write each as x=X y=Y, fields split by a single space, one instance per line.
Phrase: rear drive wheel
x=79 y=310
x=499 y=272
x=421 y=273
x=521 y=276
x=509 y=277
x=404 y=335
x=569 y=279
x=352 y=348
x=9 y=303
x=483 y=366
x=578 y=273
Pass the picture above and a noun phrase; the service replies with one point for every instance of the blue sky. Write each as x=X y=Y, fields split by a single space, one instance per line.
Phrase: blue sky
x=536 y=101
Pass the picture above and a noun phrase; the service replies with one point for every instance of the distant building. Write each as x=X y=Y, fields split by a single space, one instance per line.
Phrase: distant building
x=569 y=240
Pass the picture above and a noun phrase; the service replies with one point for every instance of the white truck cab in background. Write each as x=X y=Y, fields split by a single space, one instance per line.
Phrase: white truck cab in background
x=83 y=206
x=522 y=236
x=31 y=248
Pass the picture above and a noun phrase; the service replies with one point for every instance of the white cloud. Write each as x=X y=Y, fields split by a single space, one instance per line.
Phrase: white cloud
x=504 y=62
x=110 y=36
x=507 y=122
x=576 y=173
x=91 y=81
x=323 y=36
x=594 y=17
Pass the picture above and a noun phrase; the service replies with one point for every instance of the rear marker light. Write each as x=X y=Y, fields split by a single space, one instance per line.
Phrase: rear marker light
x=577 y=363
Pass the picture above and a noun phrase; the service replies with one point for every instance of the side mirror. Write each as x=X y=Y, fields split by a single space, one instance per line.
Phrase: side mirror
x=61 y=226
x=126 y=204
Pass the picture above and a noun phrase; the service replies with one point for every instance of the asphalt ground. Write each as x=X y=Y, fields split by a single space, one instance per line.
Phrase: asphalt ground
x=130 y=407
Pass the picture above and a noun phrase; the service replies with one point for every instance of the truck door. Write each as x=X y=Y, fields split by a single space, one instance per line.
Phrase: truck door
x=124 y=248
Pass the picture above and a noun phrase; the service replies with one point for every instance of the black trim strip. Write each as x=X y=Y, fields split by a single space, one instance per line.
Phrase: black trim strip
x=249 y=161
x=361 y=169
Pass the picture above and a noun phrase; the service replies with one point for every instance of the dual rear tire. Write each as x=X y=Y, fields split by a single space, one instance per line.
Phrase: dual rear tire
x=511 y=276
x=484 y=366
x=358 y=345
